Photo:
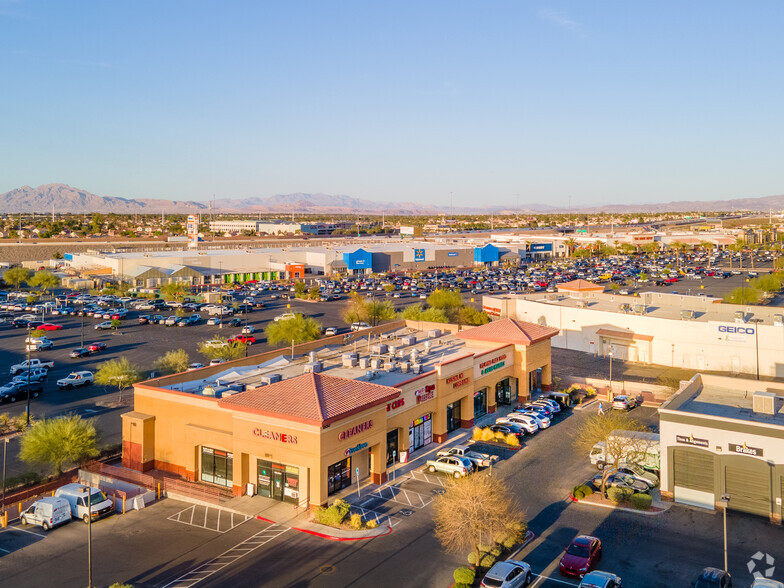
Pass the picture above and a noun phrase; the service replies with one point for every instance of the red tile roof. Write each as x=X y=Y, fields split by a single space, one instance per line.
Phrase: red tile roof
x=580 y=286
x=509 y=331
x=317 y=399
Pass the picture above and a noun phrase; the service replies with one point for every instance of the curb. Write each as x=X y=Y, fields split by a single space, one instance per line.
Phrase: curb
x=618 y=508
x=327 y=536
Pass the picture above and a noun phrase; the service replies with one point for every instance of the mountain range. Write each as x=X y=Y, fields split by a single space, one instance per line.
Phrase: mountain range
x=64 y=198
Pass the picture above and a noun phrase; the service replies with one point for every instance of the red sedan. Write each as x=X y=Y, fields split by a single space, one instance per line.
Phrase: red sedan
x=50 y=327
x=247 y=339
x=581 y=556
x=95 y=347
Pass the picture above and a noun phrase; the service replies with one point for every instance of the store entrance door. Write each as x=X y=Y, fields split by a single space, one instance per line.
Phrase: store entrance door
x=277 y=485
x=392 y=451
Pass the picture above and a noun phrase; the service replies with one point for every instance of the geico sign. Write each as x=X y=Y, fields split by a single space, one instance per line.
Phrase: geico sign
x=741 y=330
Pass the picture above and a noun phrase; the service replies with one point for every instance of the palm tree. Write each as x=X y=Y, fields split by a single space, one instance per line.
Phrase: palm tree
x=706 y=245
x=571 y=244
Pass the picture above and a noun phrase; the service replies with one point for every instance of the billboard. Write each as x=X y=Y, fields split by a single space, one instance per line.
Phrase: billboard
x=407 y=231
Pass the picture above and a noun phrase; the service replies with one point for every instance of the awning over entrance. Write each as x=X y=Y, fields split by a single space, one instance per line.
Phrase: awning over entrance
x=624 y=335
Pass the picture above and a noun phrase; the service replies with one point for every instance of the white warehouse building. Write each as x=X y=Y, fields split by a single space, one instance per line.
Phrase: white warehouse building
x=692 y=332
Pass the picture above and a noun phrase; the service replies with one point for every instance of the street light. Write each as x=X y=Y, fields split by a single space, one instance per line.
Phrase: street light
x=725 y=502
x=610 y=394
x=89 y=537
x=5 y=449
x=27 y=345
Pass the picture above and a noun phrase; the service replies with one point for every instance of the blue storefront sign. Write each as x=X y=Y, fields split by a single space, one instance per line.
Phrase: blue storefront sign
x=452 y=254
x=541 y=247
x=359 y=259
x=419 y=255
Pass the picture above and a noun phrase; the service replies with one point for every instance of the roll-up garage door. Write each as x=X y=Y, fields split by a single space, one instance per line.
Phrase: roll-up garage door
x=747 y=481
x=693 y=477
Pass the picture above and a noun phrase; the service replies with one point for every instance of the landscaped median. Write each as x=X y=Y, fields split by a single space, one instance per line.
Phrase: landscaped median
x=336 y=523
x=619 y=498
x=506 y=546
x=487 y=435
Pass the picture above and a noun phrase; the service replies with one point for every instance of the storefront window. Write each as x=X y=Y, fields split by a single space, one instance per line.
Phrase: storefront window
x=452 y=417
x=506 y=391
x=420 y=433
x=392 y=451
x=217 y=466
x=278 y=481
x=339 y=476
x=480 y=402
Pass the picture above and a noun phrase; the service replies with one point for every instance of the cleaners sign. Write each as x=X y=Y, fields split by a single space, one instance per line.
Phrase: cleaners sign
x=490 y=365
x=355 y=430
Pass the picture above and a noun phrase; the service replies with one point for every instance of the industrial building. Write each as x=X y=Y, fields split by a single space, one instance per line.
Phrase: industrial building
x=276 y=227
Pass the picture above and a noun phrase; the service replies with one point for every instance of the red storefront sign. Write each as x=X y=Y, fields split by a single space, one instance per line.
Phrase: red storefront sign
x=458 y=380
x=275 y=436
x=426 y=393
x=355 y=430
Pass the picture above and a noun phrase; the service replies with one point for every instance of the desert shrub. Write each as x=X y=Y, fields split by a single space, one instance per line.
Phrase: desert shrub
x=496 y=551
x=641 y=501
x=512 y=440
x=500 y=436
x=461 y=585
x=464 y=576
x=476 y=434
x=618 y=495
x=333 y=515
x=577 y=492
x=518 y=530
x=372 y=524
x=509 y=541
x=586 y=490
x=355 y=522
x=590 y=392
x=486 y=561
x=487 y=434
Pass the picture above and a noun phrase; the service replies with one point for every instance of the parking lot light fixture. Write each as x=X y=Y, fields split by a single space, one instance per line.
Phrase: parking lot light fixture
x=725 y=502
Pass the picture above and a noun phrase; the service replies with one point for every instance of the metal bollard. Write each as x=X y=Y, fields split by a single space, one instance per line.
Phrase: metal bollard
x=5 y=519
x=20 y=509
x=123 y=504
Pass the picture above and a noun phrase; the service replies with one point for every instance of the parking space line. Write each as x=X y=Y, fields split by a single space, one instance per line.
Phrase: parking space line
x=1 y=549
x=15 y=528
x=181 y=517
x=401 y=496
x=368 y=514
x=200 y=573
x=539 y=578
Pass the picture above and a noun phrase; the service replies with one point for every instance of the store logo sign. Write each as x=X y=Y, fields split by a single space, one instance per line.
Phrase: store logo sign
x=492 y=364
x=458 y=380
x=426 y=393
x=492 y=310
x=691 y=440
x=452 y=254
x=740 y=330
x=395 y=404
x=745 y=450
x=358 y=447
x=419 y=255
x=355 y=430
x=275 y=436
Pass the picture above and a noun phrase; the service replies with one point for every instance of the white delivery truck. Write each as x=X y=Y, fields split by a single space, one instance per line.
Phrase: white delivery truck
x=643 y=445
x=48 y=513
x=77 y=497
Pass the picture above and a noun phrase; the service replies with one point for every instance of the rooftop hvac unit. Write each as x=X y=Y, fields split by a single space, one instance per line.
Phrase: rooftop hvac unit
x=581 y=304
x=351 y=355
x=313 y=367
x=414 y=355
x=428 y=345
x=408 y=340
x=764 y=403
x=624 y=307
x=226 y=393
x=270 y=379
x=238 y=387
x=389 y=366
x=778 y=320
x=404 y=367
x=740 y=316
x=392 y=350
x=312 y=356
x=687 y=315
x=417 y=368
x=364 y=362
x=379 y=349
x=640 y=309
x=375 y=363
x=370 y=375
x=434 y=333
x=350 y=361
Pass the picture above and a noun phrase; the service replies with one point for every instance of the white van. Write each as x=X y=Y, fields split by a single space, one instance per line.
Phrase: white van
x=77 y=495
x=48 y=512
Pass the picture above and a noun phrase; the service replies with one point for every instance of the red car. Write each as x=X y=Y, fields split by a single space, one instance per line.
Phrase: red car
x=582 y=555
x=95 y=347
x=50 y=327
x=247 y=339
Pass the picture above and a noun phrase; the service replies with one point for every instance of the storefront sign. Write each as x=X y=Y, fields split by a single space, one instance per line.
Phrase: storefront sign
x=395 y=404
x=275 y=436
x=691 y=440
x=356 y=448
x=492 y=310
x=491 y=365
x=452 y=254
x=733 y=329
x=419 y=255
x=355 y=430
x=745 y=449
x=426 y=393
x=458 y=380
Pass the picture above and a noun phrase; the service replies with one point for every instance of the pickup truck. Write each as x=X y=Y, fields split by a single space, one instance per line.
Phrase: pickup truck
x=482 y=460
x=29 y=364
x=451 y=464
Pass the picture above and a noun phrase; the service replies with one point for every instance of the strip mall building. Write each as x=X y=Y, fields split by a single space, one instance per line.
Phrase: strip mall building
x=301 y=430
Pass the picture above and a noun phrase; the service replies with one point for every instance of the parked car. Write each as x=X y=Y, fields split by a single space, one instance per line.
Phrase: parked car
x=79 y=352
x=39 y=344
x=330 y=331
x=50 y=327
x=713 y=578
x=599 y=579
x=247 y=339
x=359 y=326
x=217 y=361
x=96 y=347
x=85 y=502
x=16 y=390
x=215 y=344
x=548 y=402
x=640 y=474
x=195 y=366
x=508 y=574
x=74 y=379
x=48 y=513
x=478 y=459
x=285 y=316
x=248 y=330
x=619 y=480
x=452 y=465
x=30 y=364
x=766 y=583
x=541 y=420
x=523 y=421
x=144 y=319
x=34 y=375
x=235 y=322
x=624 y=403
x=104 y=326
x=582 y=554
x=508 y=428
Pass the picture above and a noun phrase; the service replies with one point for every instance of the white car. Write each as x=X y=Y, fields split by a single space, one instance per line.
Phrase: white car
x=248 y=329
x=330 y=331
x=217 y=361
x=215 y=344
x=105 y=325
x=285 y=316
x=525 y=422
x=508 y=574
x=550 y=403
x=541 y=420
x=75 y=379
x=195 y=366
x=213 y=321
x=597 y=579
x=623 y=403
x=359 y=326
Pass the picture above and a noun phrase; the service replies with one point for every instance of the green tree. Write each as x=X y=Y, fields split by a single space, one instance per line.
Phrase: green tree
x=221 y=348
x=355 y=310
x=468 y=315
x=116 y=324
x=743 y=295
x=446 y=300
x=379 y=311
x=173 y=291
x=173 y=362
x=59 y=441
x=44 y=280
x=16 y=276
x=118 y=372
x=300 y=329
x=389 y=288
x=299 y=289
x=314 y=293
x=412 y=312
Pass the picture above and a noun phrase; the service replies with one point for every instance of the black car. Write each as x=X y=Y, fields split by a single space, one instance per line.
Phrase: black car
x=144 y=319
x=713 y=578
x=508 y=428
x=80 y=352
x=14 y=391
x=235 y=322
x=19 y=323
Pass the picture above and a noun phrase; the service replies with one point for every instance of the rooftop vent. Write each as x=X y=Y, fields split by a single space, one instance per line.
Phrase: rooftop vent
x=764 y=403
x=740 y=316
x=778 y=320
x=408 y=340
x=428 y=345
x=417 y=368
x=270 y=379
x=313 y=367
x=687 y=315
x=312 y=356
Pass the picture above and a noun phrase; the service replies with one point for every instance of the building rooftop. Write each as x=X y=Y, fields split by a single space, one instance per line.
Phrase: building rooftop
x=509 y=331
x=726 y=398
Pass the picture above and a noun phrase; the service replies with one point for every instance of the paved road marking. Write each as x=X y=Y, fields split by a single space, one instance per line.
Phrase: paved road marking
x=221 y=521
x=380 y=518
x=539 y=578
x=401 y=496
x=228 y=557
x=15 y=528
x=428 y=477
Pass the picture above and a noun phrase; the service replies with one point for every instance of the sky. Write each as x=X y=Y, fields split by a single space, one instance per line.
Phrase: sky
x=439 y=102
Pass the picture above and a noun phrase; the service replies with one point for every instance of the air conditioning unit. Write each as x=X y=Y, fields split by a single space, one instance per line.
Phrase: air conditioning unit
x=404 y=365
x=408 y=340
x=364 y=362
x=764 y=403
x=417 y=368
x=687 y=315
x=270 y=379
x=313 y=367
x=350 y=361
x=434 y=333
x=778 y=320
x=375 y=363
x=740 y=316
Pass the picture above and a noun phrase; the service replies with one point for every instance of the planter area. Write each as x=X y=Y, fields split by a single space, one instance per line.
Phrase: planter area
x=337 y=516
x=512 y=540
x=616 y=498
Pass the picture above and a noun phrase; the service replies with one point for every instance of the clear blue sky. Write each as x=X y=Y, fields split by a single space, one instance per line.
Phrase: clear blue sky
x=557 y=102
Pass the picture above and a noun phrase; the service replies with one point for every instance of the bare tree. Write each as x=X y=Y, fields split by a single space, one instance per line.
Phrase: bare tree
x=472 y=511
x=617 y=431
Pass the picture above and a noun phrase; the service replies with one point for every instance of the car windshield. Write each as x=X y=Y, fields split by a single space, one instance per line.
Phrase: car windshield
x=707 y=583
x=578 y=550
x=97 y=497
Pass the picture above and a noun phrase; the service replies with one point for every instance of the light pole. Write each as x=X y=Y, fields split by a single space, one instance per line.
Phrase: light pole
x=756 y=322
x=610 y=394
x=89 y=538
x=27 y=345
x=725 y=502
x=5 y=449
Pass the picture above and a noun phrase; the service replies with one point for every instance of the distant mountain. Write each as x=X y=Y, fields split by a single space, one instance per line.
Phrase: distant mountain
x=65 y=198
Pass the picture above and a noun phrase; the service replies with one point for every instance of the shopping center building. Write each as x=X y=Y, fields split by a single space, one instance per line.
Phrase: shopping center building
x=724 y=437
x=301 y=430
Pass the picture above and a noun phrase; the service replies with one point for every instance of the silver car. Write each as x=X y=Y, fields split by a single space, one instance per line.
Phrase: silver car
x=508 y=574
x=597 y=579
